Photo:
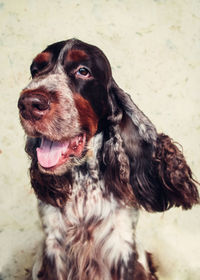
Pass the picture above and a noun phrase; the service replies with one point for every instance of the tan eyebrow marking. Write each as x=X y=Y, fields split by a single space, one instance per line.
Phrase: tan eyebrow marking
x=76 y=55
x=43 y=57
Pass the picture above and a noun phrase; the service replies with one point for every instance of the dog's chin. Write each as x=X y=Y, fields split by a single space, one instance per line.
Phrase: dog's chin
x=58 y=170
x=62 y=168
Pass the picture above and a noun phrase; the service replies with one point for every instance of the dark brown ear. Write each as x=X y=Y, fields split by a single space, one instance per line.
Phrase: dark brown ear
x=157 y=171
x=174 y=174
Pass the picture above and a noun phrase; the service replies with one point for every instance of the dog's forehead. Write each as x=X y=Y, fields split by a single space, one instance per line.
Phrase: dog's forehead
x=77 y=51
x=71 y=53
x=70 y=50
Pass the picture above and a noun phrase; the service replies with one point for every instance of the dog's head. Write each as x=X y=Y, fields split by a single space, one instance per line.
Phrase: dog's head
x=66 y=102
x=71 y=98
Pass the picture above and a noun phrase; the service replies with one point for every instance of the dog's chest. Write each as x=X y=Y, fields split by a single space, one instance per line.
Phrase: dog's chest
x=93 y=233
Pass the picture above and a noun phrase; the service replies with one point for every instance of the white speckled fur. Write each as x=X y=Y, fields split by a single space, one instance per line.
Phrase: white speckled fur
x=117 y=228
x=56 y=82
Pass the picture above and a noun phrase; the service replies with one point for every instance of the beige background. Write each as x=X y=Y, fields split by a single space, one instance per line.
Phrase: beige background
x=154 y=50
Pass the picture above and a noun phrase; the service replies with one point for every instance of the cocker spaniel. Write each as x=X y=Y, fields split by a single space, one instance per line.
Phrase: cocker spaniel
x=96 y=159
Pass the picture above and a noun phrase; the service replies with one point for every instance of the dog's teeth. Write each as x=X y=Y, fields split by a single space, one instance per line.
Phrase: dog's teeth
x=42 y=141
x=65 y=147
x=80 y=140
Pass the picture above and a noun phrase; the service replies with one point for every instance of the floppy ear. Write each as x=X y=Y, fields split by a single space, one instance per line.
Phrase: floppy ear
x=148 y=162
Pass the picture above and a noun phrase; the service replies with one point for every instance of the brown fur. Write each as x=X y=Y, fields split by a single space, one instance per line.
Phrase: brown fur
x=76 y=55
x=88 y=121
x=175 y=174
x=43 y=57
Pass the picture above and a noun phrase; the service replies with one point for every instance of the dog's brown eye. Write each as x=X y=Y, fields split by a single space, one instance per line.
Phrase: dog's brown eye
x=83 y=71
x=33 y=72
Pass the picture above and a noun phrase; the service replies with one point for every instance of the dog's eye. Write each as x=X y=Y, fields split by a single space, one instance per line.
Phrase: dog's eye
x=34 y=72
x=38 y=67
x=83 y=72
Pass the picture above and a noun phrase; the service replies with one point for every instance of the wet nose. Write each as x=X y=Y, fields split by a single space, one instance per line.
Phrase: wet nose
x=33 y=106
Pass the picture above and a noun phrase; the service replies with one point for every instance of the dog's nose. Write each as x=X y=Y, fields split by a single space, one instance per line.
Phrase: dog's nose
x=33 y=106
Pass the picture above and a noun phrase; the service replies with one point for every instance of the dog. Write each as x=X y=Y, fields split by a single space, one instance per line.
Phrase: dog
x=96 y=159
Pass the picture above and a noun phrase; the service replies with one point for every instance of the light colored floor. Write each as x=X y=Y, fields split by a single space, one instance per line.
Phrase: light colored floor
x=154 y=49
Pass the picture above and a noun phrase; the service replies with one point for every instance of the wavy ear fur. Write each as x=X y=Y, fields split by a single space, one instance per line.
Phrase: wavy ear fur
x=142 y=166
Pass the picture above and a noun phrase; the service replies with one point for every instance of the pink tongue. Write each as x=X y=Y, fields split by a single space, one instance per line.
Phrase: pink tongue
x=50 y=152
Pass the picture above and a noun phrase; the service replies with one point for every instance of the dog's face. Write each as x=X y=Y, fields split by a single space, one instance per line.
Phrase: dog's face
x=65 y=103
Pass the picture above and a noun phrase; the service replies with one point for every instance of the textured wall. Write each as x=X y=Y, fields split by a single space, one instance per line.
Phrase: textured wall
x=154 y=49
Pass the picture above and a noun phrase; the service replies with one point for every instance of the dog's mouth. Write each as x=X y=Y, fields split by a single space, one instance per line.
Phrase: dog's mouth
x=52 y=154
